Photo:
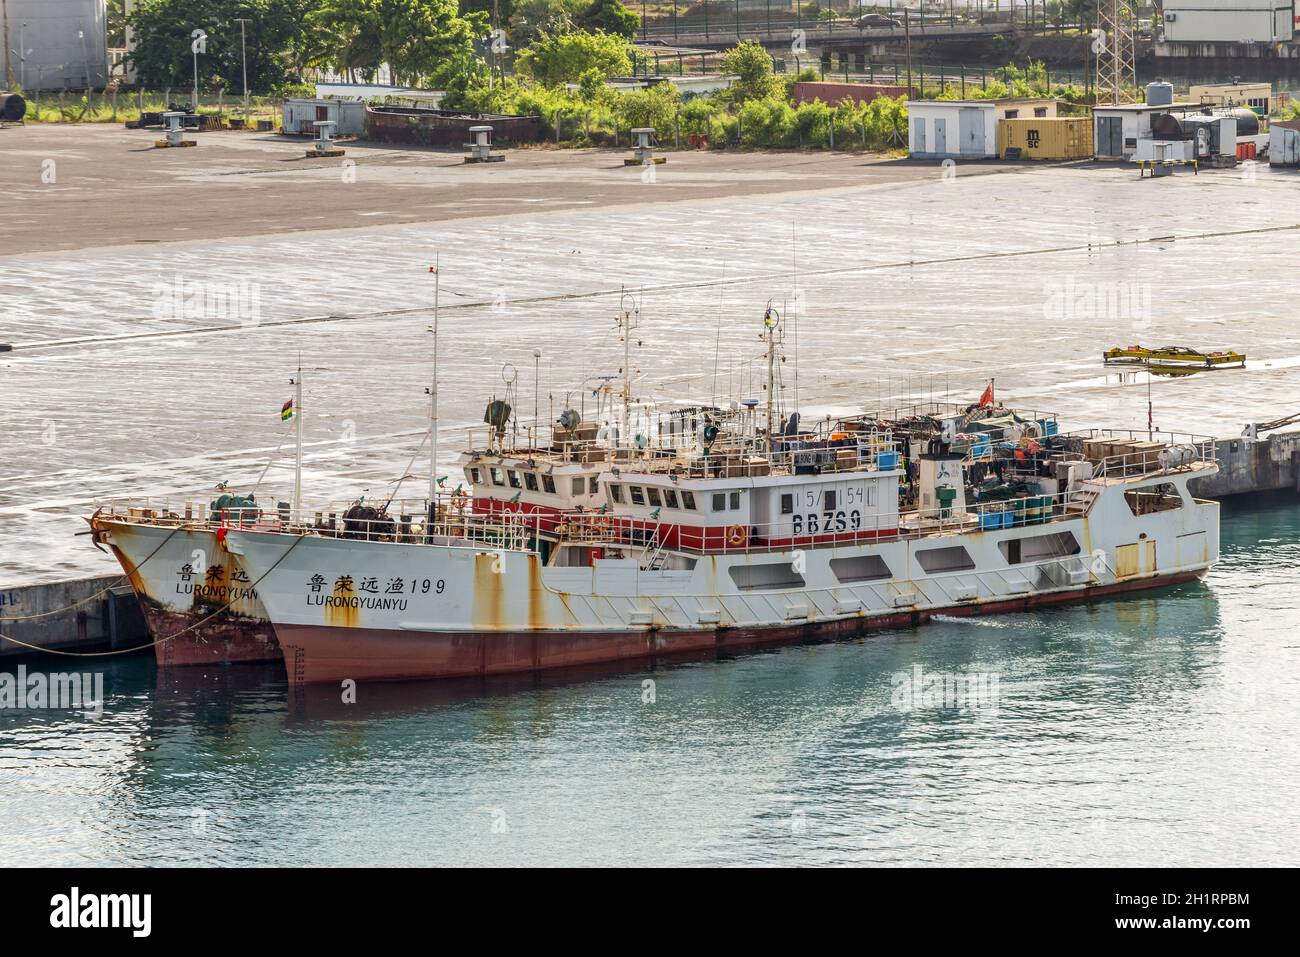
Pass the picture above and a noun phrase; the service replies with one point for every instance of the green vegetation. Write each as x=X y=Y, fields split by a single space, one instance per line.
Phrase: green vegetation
x=553 y=59
x=561 y=54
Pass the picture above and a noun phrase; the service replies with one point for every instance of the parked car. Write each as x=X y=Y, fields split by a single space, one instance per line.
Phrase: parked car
x=871 y=21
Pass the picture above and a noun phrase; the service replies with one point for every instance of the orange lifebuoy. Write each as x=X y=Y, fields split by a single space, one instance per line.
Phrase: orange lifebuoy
x=736 y=535
x=459 y=500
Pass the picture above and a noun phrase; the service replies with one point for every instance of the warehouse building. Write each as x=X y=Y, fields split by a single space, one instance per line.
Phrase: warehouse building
x=1254 y=96
x=965 y=129
x=1228 y=21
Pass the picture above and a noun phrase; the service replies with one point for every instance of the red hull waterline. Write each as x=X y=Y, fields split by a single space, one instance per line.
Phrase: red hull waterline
x=318 y=654
x=222 y=639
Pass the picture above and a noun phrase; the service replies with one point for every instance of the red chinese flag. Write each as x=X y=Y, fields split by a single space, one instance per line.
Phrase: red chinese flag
x=986 y=397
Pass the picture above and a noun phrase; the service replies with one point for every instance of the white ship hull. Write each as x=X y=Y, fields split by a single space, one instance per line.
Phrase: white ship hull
x=198 y=603
x=371 y=611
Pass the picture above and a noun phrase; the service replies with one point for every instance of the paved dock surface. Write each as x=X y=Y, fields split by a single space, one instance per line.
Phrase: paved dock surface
x=159 y=301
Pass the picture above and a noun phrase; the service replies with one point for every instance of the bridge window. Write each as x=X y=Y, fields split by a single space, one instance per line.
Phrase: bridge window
x=860 y=568
x=735 y=501
x=952 y=558
x=513 y=476
x=670 y=497
x=498 y=478
x=638 y=497
x=787 y=504
x=579 y=485
x=1034 y=548
x=475 y=476
x=1153 y=498
x=530 y=481
x=771 y=575
x=616 y=493
x=719 y=501
x=593 y=484
x=829 y=504
x=652 y=494
x=548 y=484
x=688 y=500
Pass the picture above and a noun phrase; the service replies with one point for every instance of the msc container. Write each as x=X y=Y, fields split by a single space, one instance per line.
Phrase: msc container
x=1047 y=138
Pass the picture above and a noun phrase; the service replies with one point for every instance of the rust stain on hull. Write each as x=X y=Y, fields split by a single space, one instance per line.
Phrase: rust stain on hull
x=222 y=639
x=341 y=609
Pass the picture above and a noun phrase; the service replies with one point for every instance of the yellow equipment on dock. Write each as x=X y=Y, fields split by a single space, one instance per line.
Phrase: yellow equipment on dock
x=1174 y=355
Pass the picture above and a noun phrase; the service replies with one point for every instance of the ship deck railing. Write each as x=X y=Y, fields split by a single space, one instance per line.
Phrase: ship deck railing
x=1123 y=454
x=403 y=520
x=751 y=458
x=653 y=537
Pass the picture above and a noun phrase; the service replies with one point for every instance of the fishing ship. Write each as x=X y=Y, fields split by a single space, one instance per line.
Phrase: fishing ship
x=198 y=604
x=724 y=529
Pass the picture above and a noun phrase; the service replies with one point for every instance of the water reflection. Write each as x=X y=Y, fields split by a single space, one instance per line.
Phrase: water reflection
x=1156 y=728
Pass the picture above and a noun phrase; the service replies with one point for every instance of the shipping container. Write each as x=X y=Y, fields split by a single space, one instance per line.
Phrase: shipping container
x=1046 y=138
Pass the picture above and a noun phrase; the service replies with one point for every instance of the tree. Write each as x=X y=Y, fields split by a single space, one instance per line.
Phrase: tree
x=752 y=67
x=417 y=39
x=610 y=16
x=163 y=32
x=531 y=18
x=564 y=58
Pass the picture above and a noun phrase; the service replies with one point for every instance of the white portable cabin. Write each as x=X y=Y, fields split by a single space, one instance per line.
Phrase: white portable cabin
x=300 y=115
x=965 y=129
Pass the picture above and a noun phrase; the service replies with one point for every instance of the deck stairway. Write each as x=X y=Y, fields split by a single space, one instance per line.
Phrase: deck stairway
x=1080 y=501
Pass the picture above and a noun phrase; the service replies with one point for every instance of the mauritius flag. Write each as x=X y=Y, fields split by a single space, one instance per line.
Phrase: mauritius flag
x=286 y=411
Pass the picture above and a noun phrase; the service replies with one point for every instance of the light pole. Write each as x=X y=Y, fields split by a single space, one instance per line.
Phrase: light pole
x=81 y=35
x=243 y=55
x=22 y=55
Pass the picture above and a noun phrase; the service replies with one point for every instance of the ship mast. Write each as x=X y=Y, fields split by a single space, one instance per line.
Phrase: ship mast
x=297 y=464
x=433 y=397
x=771 y=322
x=626 y=325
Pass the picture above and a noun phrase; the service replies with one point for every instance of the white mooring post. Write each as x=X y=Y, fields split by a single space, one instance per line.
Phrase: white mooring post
x=480 y=149
x=174 y=129
x=324 y=143
x=643 y=153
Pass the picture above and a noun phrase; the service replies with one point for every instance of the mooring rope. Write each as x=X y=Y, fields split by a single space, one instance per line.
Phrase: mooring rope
x=101 y=592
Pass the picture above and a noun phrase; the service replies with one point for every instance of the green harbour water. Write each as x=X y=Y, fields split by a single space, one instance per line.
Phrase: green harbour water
x=1153 y=729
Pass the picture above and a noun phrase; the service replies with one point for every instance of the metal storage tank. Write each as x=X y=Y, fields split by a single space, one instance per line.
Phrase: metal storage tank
x=54 y=44
x=1160 y=93
x=1047 y=138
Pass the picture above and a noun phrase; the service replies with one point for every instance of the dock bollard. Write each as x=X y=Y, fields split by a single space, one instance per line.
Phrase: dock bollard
x=324 y=144
x=643 y=153
x=480 y=150
x=173 y=123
